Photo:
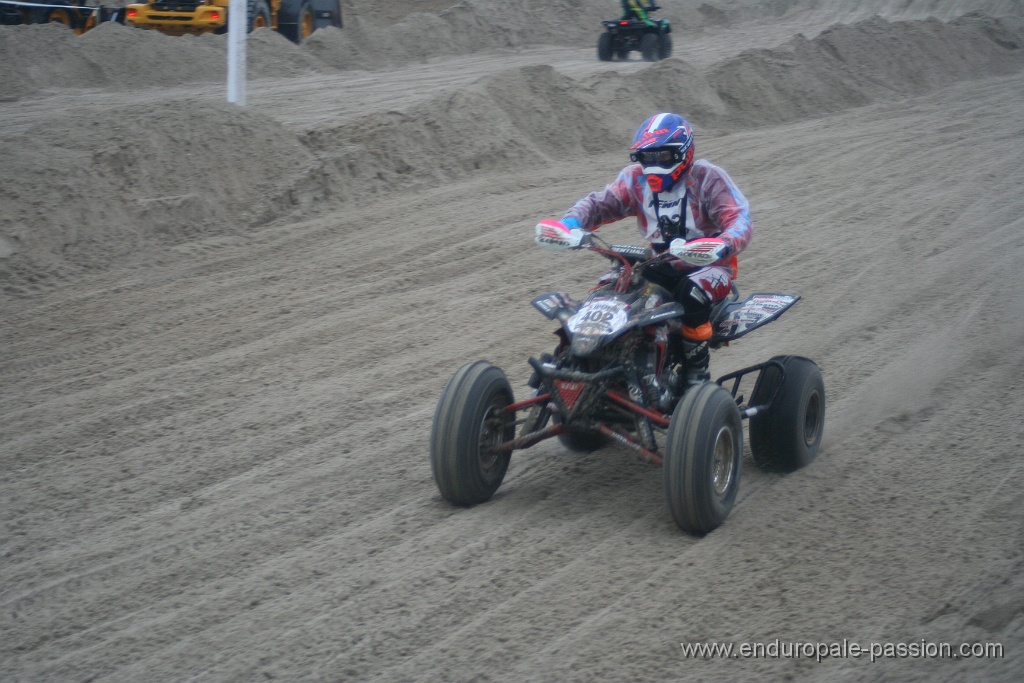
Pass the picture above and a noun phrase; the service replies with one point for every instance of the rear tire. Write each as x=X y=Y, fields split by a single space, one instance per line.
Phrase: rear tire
x=787 y=436
x=604 y=47
x=307 y=22
x=650 y=47
x=666 y=45
x=470 y=418
x=60 y=16
x=258 y=13
x=703 y=458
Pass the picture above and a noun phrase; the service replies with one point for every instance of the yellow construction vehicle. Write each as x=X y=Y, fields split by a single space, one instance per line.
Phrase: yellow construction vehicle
x=294 y=19
x=75 y=14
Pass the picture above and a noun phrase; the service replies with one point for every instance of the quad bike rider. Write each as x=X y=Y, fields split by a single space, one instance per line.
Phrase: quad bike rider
x=632 y=9
x=676 y=200
x=630 y=366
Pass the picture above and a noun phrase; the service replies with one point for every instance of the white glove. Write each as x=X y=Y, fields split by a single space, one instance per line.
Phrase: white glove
x=555 y=236
x=699 y=252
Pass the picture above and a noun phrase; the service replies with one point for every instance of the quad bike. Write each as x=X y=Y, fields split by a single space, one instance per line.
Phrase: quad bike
x=613 y=379
x=621 y=36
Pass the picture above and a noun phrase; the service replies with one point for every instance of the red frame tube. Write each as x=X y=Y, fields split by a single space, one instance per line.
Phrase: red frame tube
x=531 y=439
x=658 y=418
x=527 y=403
x=647 y=455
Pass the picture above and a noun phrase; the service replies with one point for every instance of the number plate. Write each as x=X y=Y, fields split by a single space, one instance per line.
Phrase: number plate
x=599 y=317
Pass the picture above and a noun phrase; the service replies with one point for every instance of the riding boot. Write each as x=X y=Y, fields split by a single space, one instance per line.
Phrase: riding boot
x=696 y=362
x=696 y=331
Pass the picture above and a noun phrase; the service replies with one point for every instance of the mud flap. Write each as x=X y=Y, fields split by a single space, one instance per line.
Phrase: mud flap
x=740 y=317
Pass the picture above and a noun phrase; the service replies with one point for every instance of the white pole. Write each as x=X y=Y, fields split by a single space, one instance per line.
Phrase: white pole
x=238 y=23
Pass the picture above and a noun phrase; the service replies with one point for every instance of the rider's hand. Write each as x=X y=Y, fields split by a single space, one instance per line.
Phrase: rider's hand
x=580 y=238
x=558 y=235
x=699 y=252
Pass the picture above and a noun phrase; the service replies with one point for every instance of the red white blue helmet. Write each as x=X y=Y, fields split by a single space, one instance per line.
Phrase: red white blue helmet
x=663 y=145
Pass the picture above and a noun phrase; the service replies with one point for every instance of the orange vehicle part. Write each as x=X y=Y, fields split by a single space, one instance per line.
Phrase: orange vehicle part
x=74 y=14
x=295 y=19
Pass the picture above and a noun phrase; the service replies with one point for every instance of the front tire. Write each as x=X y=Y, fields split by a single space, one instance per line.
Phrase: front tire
x=469 y=421
x=703 y=458
x=787 y=436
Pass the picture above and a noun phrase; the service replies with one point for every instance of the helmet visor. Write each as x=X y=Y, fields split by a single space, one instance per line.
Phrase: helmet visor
x=659 y=156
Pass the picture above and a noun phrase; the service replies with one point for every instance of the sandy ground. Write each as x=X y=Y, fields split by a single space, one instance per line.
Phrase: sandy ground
x=224 y=332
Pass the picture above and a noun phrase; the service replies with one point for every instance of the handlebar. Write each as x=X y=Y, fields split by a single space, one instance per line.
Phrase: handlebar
x=632 y=257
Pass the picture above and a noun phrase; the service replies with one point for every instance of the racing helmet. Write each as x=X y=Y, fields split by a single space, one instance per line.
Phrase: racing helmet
x=663 y=146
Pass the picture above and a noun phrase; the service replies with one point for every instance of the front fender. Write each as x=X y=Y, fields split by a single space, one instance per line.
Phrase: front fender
x=556 y=306
x=659 y=314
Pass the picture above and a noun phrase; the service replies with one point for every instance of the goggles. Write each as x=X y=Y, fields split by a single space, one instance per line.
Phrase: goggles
x=659 y=156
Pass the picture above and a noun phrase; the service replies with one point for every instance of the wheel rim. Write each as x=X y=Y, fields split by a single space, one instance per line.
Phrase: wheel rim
x=59 y=16
x=722 y=464
x=812 y=419
x=492 y=433
x=307 y=23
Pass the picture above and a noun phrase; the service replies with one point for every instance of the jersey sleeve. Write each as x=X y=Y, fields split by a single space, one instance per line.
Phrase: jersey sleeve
x=725 y=208
x=616 y=201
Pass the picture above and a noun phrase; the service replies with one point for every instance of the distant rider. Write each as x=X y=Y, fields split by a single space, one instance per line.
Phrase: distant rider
x=662 y=180
x=632 y=9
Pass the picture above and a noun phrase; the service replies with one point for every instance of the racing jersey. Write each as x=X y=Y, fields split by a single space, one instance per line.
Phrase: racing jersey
x=632 y=9
x=715 y=206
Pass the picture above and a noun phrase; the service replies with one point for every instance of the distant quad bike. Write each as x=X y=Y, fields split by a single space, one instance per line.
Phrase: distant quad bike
x=622 y=36
x=612 y=379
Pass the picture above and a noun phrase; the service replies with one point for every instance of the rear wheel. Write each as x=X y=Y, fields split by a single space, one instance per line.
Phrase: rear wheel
x=666 y=45
x=650 y=47
x=60 y=16
x=604 y=47
x=469 y=422
x=786 y=437
x=703 y=458
x=306 y=23
x=259 y=14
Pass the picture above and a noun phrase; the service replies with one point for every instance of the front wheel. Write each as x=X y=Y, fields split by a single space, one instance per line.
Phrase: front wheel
x=786 y=437
x=703 y=458
x=469 y=422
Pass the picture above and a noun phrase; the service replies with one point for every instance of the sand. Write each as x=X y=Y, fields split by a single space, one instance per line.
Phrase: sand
x=225 y=329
